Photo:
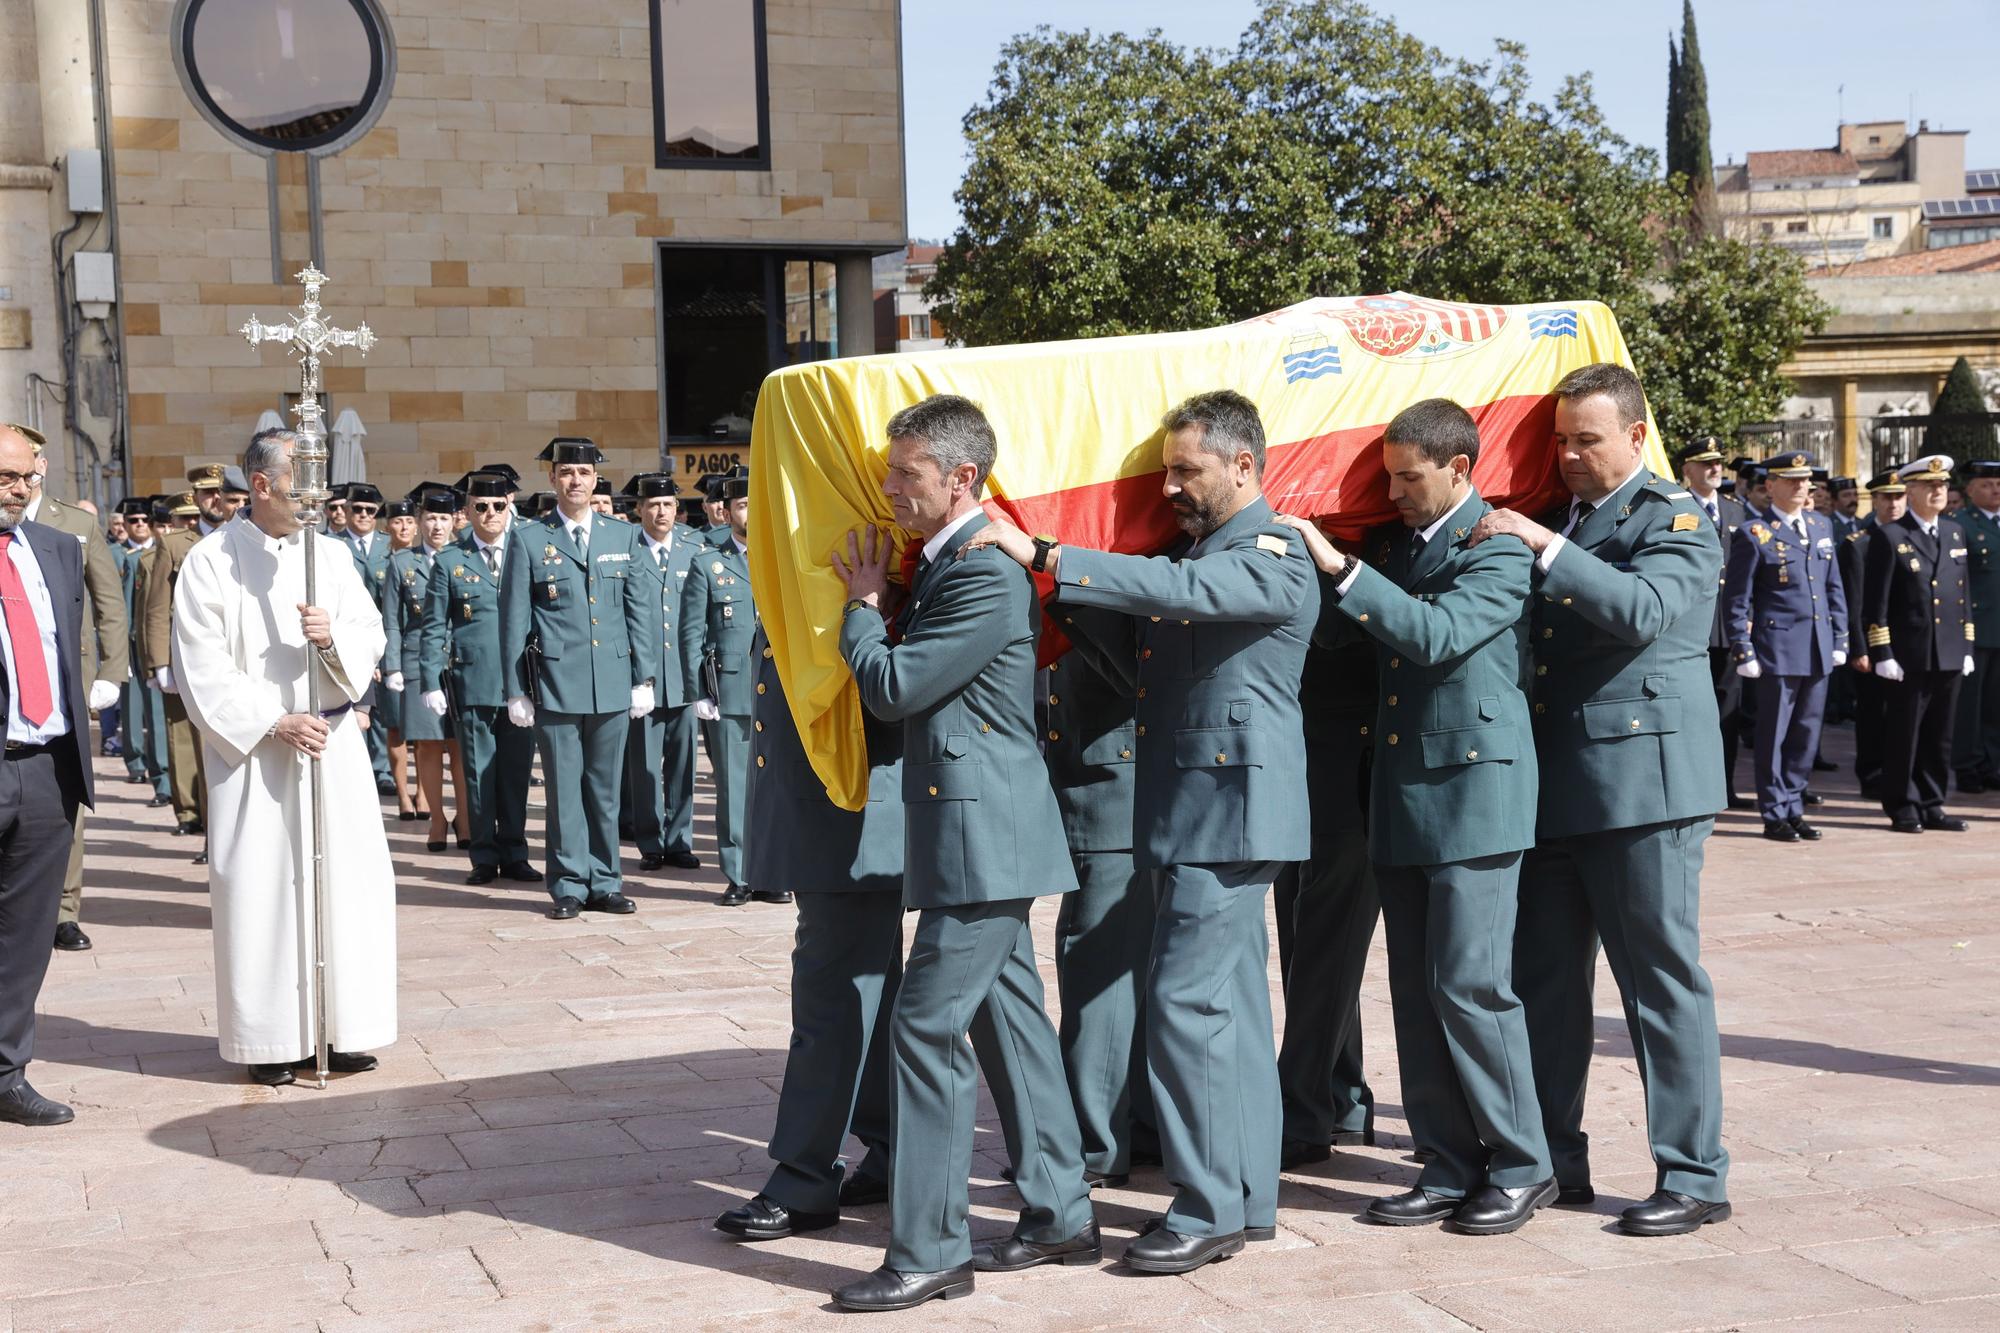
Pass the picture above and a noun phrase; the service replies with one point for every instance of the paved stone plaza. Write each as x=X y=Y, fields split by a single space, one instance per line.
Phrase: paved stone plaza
x=572 y=1102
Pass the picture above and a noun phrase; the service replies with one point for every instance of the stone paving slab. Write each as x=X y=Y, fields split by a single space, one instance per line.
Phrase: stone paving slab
x=571 y=1103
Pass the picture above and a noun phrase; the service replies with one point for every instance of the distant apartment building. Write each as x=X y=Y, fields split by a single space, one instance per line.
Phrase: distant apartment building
x=903 y=316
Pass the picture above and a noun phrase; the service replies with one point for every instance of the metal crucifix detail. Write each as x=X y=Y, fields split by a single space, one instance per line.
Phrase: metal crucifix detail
x=309 y=333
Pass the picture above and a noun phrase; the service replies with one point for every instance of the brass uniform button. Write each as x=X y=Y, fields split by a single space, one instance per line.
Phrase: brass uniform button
x=1142 y=692
x=1142 y=729
x=760 y=761
x=1055 y=735
x=1363 y=617
x=933 y=791
x=1472 y=754
x=1566 y=601
x=1392 y=738
x=1395 y=662
x=758 y=726
x=1364 y=731
x=1145 y=653
x=1156 y=620
x=1635 y=724
x=1124 y=754
x=593 y=643
x=1541 y=708
x=1054 y=700
x=1083 y=582
x=1221 y=758
x=985 y=727
x=760 y=687
x=1392 y=701
x=1541 y=671
x=1548 y=634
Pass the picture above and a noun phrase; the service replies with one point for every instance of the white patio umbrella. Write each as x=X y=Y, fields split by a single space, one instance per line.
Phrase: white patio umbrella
x=270 y=420
x=346 y=462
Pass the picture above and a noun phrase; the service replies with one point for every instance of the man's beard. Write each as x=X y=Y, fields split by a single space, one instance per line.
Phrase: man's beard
x=1195 y=516
x=10 y=516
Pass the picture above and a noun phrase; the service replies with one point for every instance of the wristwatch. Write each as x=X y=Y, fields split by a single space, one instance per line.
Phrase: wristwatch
x=853 y=603
x=1043 y=545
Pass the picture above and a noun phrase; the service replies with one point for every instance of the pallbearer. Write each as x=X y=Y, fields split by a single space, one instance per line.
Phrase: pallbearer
x=659 y=756
x=579 y=658
x=718 y=617
x=460 y=667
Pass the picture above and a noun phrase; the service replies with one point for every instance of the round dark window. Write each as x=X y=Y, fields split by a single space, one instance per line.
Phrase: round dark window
x=286 y=75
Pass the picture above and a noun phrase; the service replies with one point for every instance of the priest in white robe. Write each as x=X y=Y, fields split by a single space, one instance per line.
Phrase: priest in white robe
x=244 y=639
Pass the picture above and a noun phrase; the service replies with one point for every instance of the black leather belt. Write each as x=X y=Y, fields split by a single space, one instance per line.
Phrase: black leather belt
x=26 y=749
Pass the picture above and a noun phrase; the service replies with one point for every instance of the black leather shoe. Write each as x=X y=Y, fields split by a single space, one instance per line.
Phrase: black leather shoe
x=339 y=1062
x=682 y=860
x=1944 y=823
x=1106 y=1180
x=1805 y=830
x=1152 y=1224
x=764 y=1218
x=70 y=937
x=565 y=909
x=159 y=801
x=1741 y=803
x=860 y=1191
x=22 y=1105
x=1780 y=830
x=1972 y=786
x=1575 y=1196
x=1670 y=1214
x=1014 y=1254
x=272 y=1076
x=1905 y=826
x=615 y=903
x=1164 y=1251
x=1822 y=765
x=735 y=896
x=1147 y=1157
x=1298 y=1152
x=1356 y=1138
x=1493 y=1211
x=771 y=896
x=1413 y=1208
x=186 y=830
x=200 y=858
x=886 y=1289
x=434 y=846
x=483 y=875
x=1812 y=797
x=521 y=872
x=652 y=860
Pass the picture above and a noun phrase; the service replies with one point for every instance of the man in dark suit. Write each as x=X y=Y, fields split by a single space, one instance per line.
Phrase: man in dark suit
x=1701 y=473
x=45 y=771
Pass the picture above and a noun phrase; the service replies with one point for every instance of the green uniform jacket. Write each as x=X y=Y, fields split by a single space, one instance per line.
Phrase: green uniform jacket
x=106 y=636
x=674 y=688
x=1625 y=718
x=1982 y=572
x=460 y=643
x=374 y=566
x=814 y=846
x=1454 y=775
x=981 y=824
x=1221 y=641
x=1091 y=747
x=405 y=592
x=595 y=620
x=718 y=611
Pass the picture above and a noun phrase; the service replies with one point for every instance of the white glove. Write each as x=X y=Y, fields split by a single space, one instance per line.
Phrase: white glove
x=642 y=700
x=394 y=680
x=1749 y=670
x=1966 y=672
x=103 y=694
x=164 y=678
x=706 y=710
x=1839 y=658
x=434 y=700
x=521 y=711
x=1889 y=670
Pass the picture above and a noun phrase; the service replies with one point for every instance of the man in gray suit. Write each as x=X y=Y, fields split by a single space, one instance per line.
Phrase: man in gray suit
x=980 y=845
x=1219 y=800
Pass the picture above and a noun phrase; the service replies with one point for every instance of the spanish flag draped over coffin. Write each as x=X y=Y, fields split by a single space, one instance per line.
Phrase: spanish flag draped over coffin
x=1079 y=430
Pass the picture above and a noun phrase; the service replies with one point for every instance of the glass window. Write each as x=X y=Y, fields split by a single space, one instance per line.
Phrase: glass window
x=709 y=105
x=1885 y=229
x=289 y=75
x=1795 y=228
x=727 y=319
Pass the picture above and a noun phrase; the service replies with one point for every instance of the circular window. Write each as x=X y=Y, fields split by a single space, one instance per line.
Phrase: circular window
x=286 y=75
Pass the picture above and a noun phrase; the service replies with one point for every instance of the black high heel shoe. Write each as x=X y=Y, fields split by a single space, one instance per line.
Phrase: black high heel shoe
x=407 y=816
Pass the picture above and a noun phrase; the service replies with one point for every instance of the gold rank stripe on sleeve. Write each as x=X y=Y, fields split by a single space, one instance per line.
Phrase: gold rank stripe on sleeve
x=1878 y=636
x=1968 y=631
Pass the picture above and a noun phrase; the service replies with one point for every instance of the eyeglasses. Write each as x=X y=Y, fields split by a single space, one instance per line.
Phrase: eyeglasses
x=14 y=480
x=355 y=510
x=489 y=506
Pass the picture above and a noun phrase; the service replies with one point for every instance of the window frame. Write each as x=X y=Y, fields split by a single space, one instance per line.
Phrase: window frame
x=762 y=162
x=374 y=100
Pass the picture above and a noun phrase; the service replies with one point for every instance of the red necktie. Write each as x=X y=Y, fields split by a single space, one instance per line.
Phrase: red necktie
x=31 y=673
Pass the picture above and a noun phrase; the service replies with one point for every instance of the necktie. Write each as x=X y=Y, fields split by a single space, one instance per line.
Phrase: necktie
x=660 y=558
x=580 y=534
x=1584 y=509
x=31 y=673
x=1713 y=515
x=492 y=554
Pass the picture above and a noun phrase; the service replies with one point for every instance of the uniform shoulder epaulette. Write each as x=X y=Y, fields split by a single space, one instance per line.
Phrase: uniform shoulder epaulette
x=1855 y=535
x=1760 y=532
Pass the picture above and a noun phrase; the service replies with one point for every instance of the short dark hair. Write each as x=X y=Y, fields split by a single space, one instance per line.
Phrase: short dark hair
x=1439 y=428
x=1615 y=382
x=955 y=431
x=1229 y=424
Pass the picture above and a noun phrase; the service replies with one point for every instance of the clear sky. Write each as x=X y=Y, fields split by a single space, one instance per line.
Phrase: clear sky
x=1774 y=67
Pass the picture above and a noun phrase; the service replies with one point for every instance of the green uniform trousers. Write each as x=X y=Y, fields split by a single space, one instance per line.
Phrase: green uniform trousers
x=659 y=781
x=498 y=758
x=187 y=786
x=847 y=960
x=1104 y=940
x=976 y=964
x=1975 y=742
x=144 y=723
x=1461 y=1035
x=583 y=765
x=730 y=755
x=1326 y=910
x=382 y=715
x=1640 y=890
x=1209 y=1050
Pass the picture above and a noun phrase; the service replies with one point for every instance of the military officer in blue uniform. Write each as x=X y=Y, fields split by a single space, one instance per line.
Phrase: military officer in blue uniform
x=1219 y=802
x=460 y=675
x=1701 y=474
x=1787 y=621
x=847 y=959
x=1886 y=501
x=579 y=636
x=1626 y=736
x=1917 y=603
x=1451 y=809
x=1975 y=747
x=659 y=755
x=981 y=843
x=363 y=508
x=718 y=617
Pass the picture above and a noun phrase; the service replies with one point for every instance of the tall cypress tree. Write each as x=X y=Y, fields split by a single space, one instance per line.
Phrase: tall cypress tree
x=1959 y=424
x=1704 y=215
x=1676 y=158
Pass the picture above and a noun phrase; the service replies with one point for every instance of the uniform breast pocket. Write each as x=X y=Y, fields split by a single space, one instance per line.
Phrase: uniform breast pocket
x=1489 y=743
x=554 y=590
x=952 y=780
x=1608 y=719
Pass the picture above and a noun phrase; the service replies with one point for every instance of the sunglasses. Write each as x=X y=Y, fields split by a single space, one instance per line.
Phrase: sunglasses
x=356 y=509
x=489 y=506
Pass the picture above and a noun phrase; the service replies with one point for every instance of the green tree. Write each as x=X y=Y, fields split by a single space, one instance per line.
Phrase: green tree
x=1959 y=425
x=1688 y=155
x=1676 y=158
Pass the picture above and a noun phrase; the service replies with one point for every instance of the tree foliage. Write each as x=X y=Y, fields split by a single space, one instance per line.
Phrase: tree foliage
x=1690 y=164
x=1959 y=422
x=1124 y=184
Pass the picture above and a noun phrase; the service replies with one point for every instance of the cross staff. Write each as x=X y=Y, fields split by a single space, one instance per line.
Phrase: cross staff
x=308 y=334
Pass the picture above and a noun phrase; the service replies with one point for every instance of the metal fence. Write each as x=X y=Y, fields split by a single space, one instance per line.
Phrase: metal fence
x=1885 y=442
